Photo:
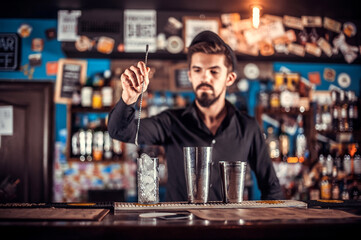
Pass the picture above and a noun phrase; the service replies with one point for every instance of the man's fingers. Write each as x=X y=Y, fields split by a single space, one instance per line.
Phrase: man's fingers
x=138 y=74
x=129 y=74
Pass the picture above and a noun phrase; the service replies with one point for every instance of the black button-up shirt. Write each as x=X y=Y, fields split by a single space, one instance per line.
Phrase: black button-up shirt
x=237 y=139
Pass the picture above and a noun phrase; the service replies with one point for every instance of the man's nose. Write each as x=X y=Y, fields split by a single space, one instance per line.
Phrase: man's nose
x=206 y=76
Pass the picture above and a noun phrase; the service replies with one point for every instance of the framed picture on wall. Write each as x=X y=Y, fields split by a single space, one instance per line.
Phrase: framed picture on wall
x=195 y=25
x=70 y=77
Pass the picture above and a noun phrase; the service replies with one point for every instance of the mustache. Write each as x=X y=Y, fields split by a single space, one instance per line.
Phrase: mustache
x=204 y=85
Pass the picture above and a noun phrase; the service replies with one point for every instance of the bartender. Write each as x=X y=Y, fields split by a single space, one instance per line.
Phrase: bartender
x=209 y=121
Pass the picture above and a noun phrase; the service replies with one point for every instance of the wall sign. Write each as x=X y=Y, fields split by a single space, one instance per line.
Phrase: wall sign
x=9 y=51
x=179 y=75
x=140 y=29
x=71 y=76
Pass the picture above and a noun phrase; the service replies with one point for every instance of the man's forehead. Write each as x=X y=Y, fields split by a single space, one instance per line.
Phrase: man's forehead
x=207 y=60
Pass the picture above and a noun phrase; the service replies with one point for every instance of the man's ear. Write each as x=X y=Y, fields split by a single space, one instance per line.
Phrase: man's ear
x=231 y=77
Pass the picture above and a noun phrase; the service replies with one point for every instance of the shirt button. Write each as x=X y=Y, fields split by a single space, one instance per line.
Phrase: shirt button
x=214 y=141
x=211 y=185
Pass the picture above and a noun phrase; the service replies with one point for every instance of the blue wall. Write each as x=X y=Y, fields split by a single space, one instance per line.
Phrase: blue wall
x=51 y=52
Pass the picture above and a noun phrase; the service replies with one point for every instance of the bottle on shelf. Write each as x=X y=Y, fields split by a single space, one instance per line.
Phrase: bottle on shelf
x=335 y=111
x=357 y=164
x=325 y=185
x=329 y=165
x=108 y=146
x=98 y=142
x=345 y=195
x=326 y=118
x=342 y=118
x=284 y=142
x=335 y=188
x=301 y=141
x=89 y=144
x=352 y=110
x=273 y=144
x=347 y=163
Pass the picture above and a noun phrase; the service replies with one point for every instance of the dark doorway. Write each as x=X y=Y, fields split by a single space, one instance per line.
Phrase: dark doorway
x=26 y=155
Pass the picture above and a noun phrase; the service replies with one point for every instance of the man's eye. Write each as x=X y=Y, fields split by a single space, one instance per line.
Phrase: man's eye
x=196 y=70
x=214 y=72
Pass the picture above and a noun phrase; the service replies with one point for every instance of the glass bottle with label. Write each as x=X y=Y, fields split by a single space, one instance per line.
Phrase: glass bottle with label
x=347 y=163
x=108 y=146
x=301 y=141
x=284 y=143
x=335 y=111
x=342 y=118
x=352 y=110
x=357 y=164
x=273 y=144
x=329 y=164
x=326 y=118
x=345 y=195
x=325 y=185
x=335 y=188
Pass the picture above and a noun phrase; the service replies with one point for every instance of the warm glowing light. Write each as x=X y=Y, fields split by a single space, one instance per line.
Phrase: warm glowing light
x=256 y=13
x=292 y=159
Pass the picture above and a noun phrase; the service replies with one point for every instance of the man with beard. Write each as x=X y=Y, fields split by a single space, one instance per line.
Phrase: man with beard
x=209 y=121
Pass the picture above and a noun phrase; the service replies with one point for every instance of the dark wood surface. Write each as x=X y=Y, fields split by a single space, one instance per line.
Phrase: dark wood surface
x=128 y=225
x=27 y=154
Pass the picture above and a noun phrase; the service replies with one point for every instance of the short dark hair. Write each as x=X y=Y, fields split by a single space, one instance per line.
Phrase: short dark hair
x=211 y=48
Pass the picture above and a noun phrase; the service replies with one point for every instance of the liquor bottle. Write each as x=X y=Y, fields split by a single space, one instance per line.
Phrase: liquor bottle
x=284 y=143
x=108 y=146
x=335 y=188
x=275 y=100
x=301 y=141
x=98 y=141
x=326 y=118
x=338 y=161
x=352 y=110
x=89 y=144
x=345 y=195
x=342 y=118
x=325 y=185
x=318 y=119
x=329 y=164
x=75 y=147
x=357 y=164
x=335 y=110
x=347 y=163
x=82 y=145
x=321 y=160
x=273 y=144
x=117 y=149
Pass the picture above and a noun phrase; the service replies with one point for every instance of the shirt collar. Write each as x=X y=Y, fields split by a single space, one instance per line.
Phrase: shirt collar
x=191 y=110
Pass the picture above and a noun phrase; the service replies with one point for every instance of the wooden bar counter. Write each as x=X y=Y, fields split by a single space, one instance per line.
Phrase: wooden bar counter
x=345 y=221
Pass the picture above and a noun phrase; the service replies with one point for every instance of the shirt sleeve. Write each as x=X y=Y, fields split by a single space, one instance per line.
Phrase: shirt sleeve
x=122 y=125
x=262 y=165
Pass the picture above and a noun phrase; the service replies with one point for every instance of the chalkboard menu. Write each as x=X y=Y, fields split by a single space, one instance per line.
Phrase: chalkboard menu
x=70 y=80
x=70 y=77
x=9 y=51
x=181 y=78
x=179 y=74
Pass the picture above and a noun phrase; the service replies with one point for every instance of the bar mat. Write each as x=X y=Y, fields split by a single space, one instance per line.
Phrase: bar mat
x=334 y=203
x=52 y=214
x=124 y=206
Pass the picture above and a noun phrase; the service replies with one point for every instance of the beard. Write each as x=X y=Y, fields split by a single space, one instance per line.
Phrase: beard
x=206 y=99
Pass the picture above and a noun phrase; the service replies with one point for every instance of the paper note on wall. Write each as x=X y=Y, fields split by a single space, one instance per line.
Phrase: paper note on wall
x=6 y=120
